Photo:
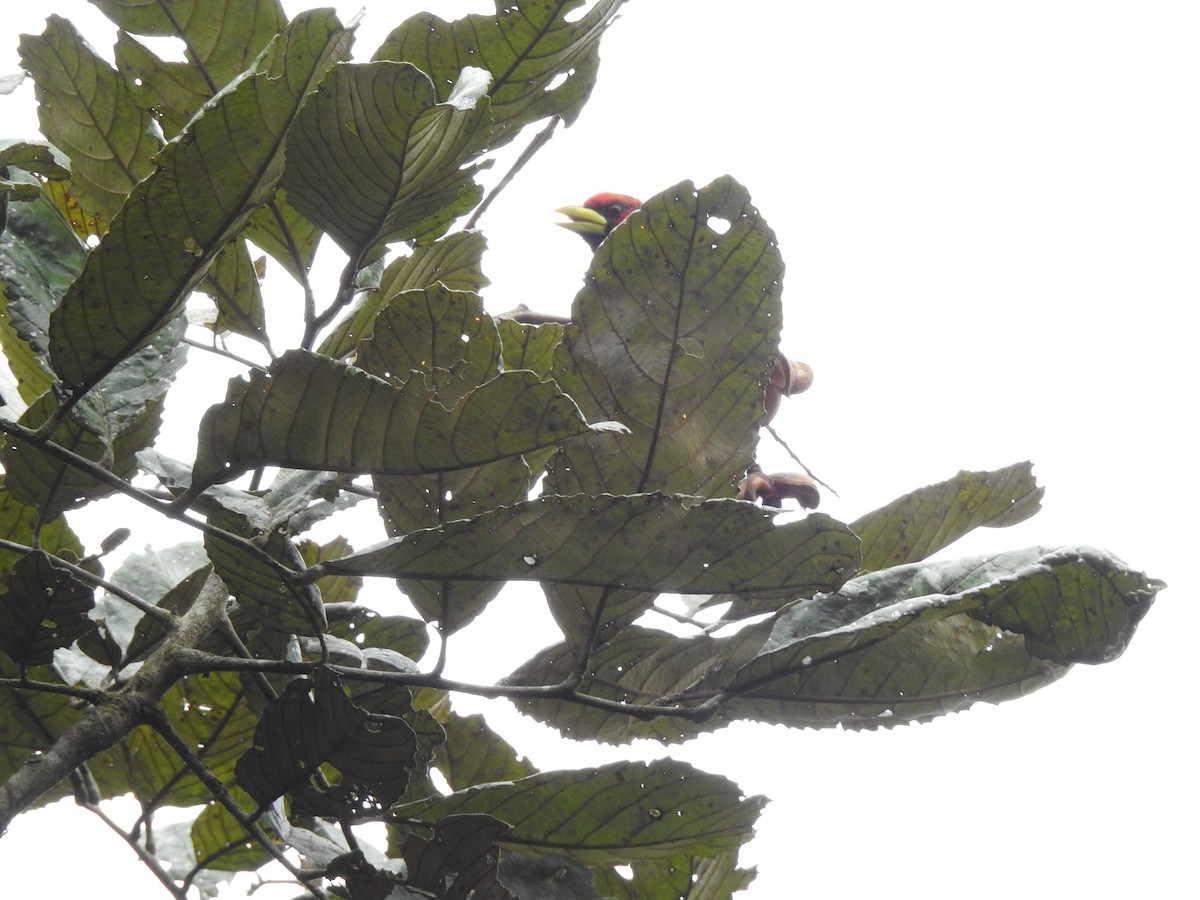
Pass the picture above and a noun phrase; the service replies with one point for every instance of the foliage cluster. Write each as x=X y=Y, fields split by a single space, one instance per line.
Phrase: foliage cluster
x=239 y=673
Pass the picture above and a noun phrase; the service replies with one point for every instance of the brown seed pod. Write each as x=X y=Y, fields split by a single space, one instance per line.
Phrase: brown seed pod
x=773 y=489
x=786 y=378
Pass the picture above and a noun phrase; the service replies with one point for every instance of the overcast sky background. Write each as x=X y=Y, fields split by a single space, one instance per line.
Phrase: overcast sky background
x=989 y=217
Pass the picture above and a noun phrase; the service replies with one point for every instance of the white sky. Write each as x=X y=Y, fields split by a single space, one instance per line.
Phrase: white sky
x=989 y=216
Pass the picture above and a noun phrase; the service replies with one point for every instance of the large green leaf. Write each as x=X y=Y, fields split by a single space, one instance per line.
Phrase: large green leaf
x=211 y=714
x=673 y=334
x=376 y=158
x=221 y=37
x=904 y=644
x=921 y=640
x=85 y=110
x=614 y=814
x=311 y=412
x=542 y=60
x=177 y=221
x=924 y=521
x=647 y=542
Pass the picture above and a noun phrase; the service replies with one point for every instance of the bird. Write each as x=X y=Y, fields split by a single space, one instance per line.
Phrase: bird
x=598 y=216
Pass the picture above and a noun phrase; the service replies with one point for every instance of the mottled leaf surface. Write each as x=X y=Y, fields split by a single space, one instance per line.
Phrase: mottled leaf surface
x=614 y=814
x=926 y=520
x=542 y=60
x=673 y=333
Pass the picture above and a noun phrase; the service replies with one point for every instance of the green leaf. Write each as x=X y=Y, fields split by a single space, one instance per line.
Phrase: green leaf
x=18 y=523
x=176 y=221
x=222 y=36
x=263 y=595
x=459 y=860
x=375 y=157
x=917 y=641
x=444 y=334
x=311 y=412
x=474 y=754
x=221 y=841
x=30 y=721
x=694 y=878
x=38 y=479
x=529 y=346
x=547 y=877
x=109 y=426
x=314 y=722
x=44 y=607
x=287 y=236
x=454 y=261
x=541 y=64
x=617 y=813
x=645 y=542
x=448 y=339
x=639 y=666
x=926 y=520
x=85 y=110
x=674 y=332
x=212 y=715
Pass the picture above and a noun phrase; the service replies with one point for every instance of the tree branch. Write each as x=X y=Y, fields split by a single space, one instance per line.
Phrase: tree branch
x=120 y=711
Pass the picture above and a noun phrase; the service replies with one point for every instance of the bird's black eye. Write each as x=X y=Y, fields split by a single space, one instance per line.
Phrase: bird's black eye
x=616 y=209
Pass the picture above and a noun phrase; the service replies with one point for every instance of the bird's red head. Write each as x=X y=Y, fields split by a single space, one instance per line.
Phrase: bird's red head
x=599 y=215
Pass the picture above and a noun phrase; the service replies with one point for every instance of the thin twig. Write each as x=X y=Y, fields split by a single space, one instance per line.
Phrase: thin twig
x=539 y=141
x=148 y=859
x=222 y=352
x=807 y=471
x=159 y=722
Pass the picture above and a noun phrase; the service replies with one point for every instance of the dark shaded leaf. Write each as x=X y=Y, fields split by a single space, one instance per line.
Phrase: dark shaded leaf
x=550 y=877
x=674 y=334
x=44 y=607
x=313 y=723
x=459 y=862
x=263 y=595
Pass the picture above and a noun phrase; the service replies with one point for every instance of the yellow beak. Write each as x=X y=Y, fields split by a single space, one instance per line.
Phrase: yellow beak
x=583 y=220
